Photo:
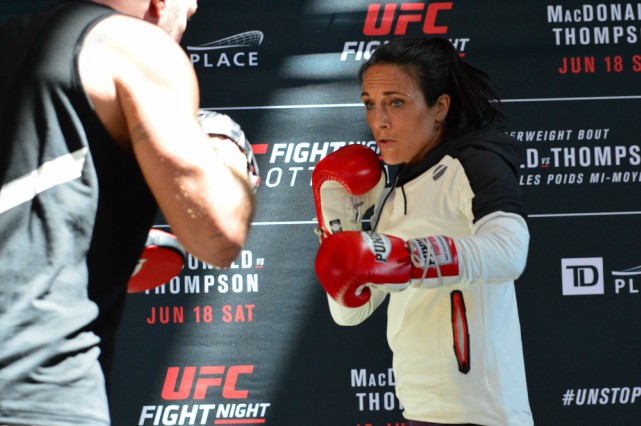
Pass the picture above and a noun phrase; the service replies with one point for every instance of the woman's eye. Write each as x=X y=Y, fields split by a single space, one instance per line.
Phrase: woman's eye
x=397 y=103
x=368 y=105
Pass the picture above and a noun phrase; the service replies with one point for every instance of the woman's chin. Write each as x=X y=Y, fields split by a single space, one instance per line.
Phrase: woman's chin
x=391 y=160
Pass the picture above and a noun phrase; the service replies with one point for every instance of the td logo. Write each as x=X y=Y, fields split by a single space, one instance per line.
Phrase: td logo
x=582 y=276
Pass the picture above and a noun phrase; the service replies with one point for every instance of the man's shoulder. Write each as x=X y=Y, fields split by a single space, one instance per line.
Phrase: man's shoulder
x=126 y=44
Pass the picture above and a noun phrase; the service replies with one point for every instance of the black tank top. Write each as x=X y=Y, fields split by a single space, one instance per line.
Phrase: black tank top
x=74 y=215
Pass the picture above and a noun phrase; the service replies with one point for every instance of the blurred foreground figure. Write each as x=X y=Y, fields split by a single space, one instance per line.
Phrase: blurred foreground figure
x=98 y=114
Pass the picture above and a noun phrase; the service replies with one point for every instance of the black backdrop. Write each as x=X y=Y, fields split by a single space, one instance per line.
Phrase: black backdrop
x=255 y=344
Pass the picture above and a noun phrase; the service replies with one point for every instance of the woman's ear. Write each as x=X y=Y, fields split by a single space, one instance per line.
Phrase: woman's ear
x=442 y=106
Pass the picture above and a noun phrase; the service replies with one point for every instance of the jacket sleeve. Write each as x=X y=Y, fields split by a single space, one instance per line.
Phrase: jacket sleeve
x=497 y=252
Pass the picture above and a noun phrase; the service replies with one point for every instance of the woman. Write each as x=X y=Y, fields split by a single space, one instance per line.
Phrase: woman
x=453 y=329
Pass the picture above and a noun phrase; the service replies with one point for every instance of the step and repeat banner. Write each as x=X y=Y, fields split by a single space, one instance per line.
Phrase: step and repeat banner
x=255 y=344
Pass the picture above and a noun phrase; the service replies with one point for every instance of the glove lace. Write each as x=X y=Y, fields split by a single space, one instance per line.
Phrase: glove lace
x=319 y=233
x=423 y=256
x=357 y=203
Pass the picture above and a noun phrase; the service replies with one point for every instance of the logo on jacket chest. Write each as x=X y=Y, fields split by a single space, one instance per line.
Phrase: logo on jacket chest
x=438 y=172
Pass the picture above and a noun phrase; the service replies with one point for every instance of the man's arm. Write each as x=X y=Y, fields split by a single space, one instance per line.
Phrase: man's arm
x=145 y=91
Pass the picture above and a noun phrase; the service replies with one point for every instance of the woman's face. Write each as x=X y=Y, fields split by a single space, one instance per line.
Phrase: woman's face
x=404 y=126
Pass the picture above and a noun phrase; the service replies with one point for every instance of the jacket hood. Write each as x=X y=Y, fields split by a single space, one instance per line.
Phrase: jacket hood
x=486 y=139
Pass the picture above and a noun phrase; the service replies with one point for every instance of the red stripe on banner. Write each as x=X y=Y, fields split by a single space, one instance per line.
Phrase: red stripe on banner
x=259 y=148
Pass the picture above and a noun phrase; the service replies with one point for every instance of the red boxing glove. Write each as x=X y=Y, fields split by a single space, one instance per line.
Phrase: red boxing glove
x=162 y=259
x=348 y=262
x=346 y=183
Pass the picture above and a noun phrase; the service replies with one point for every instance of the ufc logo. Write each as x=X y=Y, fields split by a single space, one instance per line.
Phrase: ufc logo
x=408 y=13
x=208 y=377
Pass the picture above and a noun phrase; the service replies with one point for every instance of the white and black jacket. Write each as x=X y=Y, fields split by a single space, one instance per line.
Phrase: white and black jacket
x=457 y=346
